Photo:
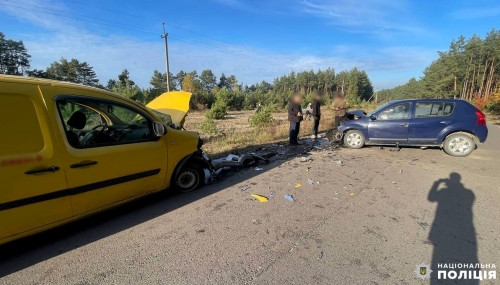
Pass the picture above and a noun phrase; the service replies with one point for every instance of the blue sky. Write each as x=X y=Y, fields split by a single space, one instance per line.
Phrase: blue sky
x=393 y=40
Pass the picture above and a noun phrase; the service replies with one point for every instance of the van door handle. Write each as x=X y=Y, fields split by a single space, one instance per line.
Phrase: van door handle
x=43 y=170
x=83 y=164
x=403 y=125
x=445 y=122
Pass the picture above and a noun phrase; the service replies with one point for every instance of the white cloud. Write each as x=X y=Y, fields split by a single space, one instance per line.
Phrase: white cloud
x=110 y=54
x=366 y=16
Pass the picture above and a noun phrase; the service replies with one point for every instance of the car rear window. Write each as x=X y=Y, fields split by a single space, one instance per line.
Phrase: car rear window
x=434 y=109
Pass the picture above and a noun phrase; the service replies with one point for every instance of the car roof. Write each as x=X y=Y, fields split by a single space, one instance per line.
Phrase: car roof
x=427 y=100
x=55 y=83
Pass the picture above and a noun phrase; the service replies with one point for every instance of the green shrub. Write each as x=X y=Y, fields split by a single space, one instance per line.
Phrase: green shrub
x=263 y=118
x=217 y=112
x=208 y=126
x=493 y=107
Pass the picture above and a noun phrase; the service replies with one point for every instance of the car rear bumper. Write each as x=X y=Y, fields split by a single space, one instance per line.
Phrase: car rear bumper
x=481 y=133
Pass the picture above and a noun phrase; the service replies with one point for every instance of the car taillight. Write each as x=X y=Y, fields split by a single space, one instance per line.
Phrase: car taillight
x=481 y=118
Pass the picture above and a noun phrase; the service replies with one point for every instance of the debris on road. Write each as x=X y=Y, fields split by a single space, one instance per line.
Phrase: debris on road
x=289 y=198
x=339 y=162
x=298 y=185
x=352 y=194
x=305 y=159
x=310 y=181
x=261 y=198
x=393 y=182
x=271 y=195
x=245 y=188
x=320 y=256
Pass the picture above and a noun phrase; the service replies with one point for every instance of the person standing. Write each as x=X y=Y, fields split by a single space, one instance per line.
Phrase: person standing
x=316 y=113
x=295 y=117
x=339 y=106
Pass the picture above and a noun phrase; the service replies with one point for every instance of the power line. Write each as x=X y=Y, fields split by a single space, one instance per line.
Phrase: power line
x=58 y=13
x=172 y=25
x=129 y=27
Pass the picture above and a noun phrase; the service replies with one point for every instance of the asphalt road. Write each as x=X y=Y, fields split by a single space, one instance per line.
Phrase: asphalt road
x=370 y=221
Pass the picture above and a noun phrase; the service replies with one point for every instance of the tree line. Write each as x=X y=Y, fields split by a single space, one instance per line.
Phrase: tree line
x=206 y=86
x=468 y=70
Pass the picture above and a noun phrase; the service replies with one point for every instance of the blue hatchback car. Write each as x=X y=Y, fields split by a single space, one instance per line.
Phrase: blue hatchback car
x=456 y=126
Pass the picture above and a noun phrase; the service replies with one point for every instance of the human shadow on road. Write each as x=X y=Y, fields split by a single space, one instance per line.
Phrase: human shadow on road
x=452 y=233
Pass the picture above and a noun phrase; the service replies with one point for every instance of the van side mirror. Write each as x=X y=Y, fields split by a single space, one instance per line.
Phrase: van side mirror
x=159 y=129
x=373 y=118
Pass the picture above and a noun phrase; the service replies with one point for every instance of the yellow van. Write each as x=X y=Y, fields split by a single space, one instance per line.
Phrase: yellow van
x=68 y=151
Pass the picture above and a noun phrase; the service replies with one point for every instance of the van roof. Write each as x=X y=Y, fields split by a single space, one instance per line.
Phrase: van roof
x=49 y=82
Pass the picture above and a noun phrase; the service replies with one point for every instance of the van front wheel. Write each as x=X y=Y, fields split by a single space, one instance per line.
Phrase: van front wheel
x=189 y=178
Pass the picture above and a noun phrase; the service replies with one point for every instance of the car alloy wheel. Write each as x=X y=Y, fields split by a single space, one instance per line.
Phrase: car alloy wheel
x=460 y=145
x=354 y=139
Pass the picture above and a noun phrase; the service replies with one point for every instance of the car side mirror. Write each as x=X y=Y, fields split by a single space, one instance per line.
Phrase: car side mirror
x=159 y=129
x=373 y=118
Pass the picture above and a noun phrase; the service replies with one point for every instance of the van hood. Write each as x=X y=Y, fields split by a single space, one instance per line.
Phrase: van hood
x=175 y=104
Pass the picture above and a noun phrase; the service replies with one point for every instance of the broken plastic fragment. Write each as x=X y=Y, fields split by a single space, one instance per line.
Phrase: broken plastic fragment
x=352 y=194
x=261 y=198
x=310 y=181
x=245 y=188
x=305 y=159
x=289 y=198
x=298 y=185
x=232 y=157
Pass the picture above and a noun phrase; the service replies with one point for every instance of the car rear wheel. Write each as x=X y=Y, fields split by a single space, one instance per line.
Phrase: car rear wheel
x=354 y=139
x=189 y=178
x=459 y=144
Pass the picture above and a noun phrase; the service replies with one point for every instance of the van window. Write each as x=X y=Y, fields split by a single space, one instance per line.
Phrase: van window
x=19 y=121
x=95 y=123
x=433 y=109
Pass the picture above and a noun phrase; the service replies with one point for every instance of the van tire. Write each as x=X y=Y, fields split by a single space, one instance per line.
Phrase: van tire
x=354 y=139
x=189 y=178
x=451 y=142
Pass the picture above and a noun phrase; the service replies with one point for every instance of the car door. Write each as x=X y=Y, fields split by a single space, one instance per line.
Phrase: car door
x=110 y=151
x=390 y=125
x=429 y=120
x=33 y=188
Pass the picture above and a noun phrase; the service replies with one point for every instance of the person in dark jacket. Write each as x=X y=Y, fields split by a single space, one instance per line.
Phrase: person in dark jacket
x=295 y=117
x=316 y=113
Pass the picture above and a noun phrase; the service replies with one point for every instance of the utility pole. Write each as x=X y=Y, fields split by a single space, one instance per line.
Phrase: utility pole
x=164 y=36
